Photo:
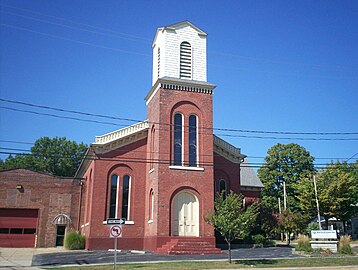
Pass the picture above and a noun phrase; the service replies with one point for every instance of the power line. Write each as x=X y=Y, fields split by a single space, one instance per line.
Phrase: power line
x=158 y=161
x=167 y=153
x=223 y=135
x=78 y=23
x=217 y=129
x=73 y=27
x=73 y=40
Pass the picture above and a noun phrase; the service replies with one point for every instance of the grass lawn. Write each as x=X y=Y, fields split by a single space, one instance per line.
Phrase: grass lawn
x=264 y=263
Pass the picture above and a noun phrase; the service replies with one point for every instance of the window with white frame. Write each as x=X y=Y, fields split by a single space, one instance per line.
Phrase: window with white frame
x=114 y=205
x=178 y=139
x=193 y=140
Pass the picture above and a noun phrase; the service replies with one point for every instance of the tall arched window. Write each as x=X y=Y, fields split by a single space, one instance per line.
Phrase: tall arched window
x=178 y=139
x=223 y=188
x=185 y=60
x=193 y=140
x=113 y=197
x=126 y=197
x=151 y=204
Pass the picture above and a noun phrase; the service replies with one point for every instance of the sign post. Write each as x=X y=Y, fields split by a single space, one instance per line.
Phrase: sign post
x=115 y=232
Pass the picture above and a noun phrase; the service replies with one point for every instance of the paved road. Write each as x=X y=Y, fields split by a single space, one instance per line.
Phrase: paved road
x=98 y=257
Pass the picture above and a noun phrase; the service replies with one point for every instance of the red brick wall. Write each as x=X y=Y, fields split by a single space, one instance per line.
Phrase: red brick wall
x=166 y=182
x=51 y=195
x=127 y=160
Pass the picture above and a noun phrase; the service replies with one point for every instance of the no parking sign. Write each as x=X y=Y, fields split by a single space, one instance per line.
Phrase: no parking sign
x=115 y=231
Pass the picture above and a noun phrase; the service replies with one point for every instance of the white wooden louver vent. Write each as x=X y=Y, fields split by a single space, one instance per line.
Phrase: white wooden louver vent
x=185 y=60
x=158 y=62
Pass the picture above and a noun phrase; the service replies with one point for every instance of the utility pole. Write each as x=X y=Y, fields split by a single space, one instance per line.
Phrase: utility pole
x=315 y=191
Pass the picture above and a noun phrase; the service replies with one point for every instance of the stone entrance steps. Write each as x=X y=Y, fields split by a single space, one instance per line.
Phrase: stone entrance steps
x=188 y=245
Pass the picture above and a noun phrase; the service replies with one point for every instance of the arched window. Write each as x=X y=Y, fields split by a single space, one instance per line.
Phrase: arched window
x=151 y=204
x=223 y=187
x=193 y=140
x=185 y=60
x=113 y=197
x=152 y=148
x=178 y=139
x=126 y=197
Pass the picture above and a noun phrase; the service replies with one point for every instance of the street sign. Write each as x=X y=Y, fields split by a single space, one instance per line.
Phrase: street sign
x=115 y=231
x=113 y=221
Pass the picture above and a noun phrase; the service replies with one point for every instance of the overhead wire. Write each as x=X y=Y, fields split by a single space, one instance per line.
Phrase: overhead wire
x=207 y=128
x=167 y=153
x=158 y=161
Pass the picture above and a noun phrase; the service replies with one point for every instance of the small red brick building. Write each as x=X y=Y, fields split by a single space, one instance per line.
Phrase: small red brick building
x=161 y=174
x=36 y=209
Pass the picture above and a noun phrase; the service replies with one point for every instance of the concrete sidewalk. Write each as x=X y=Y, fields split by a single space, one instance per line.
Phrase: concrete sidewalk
x=21 y=258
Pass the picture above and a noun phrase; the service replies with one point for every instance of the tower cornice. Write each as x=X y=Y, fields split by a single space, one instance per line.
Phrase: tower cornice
x=180 y=85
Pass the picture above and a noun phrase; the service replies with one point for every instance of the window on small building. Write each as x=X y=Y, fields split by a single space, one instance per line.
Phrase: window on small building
x=113 y=197
x=126 y=197
x=193 y=150
x=178 y=139
x=185 y=60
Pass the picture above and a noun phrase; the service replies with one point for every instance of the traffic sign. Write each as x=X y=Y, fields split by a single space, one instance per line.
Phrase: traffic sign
x=113 y=221
x=115 y=231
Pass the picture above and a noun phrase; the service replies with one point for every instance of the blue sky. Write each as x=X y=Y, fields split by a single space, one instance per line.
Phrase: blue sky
x=278 y=66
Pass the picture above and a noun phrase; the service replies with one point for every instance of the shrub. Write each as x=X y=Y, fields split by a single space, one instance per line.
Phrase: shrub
x=344 y=245
x=74 y=240
x=313 y=226
x=303 y=243
x=259 y=240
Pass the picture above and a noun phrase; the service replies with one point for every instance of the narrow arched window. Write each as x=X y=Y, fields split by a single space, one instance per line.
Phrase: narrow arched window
x=185 y=60
x=126 y=197
x=178 y=139
x=193 y=140
x=223 y=188
x=113 y=197
x=151 y=204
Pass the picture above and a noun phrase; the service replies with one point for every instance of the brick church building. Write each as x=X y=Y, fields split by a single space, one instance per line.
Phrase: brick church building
x=161 y=174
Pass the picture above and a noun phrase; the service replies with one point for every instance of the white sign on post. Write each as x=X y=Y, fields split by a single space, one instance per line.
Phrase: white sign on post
x=115 y=231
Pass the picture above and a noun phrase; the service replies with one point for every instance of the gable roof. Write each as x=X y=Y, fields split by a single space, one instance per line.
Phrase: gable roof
x=248 y=177
x=176 y=26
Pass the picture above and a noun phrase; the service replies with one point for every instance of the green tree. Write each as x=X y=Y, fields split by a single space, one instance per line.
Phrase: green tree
x=231 y=218
x=57 y=156
x=285 y=163
x=290 y=222
x=337 y=188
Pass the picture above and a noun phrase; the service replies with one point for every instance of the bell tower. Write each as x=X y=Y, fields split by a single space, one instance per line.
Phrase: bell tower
x=179 y=51
x=180 y=179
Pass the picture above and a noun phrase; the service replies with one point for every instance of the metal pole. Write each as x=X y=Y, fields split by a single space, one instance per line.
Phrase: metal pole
x=284 y=196
x=318 y=214
x=115 y=253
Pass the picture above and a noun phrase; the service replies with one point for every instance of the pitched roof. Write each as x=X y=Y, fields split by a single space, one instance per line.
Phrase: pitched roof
x=248 y=176
x=176 y=26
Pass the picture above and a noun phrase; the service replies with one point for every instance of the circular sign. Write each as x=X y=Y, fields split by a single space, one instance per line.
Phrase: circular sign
x=116 y=231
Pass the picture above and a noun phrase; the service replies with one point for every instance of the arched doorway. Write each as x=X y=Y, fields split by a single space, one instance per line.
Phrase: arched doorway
x=185 y=215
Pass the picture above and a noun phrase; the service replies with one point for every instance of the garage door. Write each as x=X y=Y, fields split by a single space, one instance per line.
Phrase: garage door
x=18 y=227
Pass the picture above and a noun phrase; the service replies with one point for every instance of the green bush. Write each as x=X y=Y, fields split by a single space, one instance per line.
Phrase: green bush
x=344 y=245
x=313 y=226
x=259 y=240
x=303 y=243
x=74 y=240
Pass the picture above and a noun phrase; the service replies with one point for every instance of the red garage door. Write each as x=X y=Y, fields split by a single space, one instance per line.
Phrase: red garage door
x=18 y=227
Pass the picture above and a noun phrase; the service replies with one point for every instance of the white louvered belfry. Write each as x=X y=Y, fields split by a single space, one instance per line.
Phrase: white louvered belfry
x=179 y=51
